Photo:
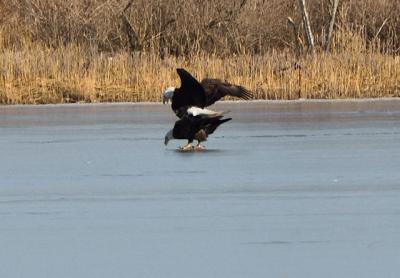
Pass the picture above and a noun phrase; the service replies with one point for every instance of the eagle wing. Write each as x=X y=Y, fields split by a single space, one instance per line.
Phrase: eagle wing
x=216 y=89
x=191 y=93
x=214 y=123
x=186 y=127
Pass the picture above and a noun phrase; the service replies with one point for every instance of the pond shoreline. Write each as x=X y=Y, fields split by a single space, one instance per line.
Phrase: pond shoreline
x=266 y=101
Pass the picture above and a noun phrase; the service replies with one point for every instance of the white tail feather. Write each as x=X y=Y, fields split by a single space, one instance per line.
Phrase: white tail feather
x=196 y=111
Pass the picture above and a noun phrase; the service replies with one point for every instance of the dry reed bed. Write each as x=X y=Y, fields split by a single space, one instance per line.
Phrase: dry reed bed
x=55 y=51
x=74 y=74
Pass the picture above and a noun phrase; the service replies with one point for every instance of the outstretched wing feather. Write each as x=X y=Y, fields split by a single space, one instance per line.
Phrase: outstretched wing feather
x=215 y=89
x=191 y=93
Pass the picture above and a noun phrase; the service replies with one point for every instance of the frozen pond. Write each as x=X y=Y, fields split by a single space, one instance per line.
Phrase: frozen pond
x=287 y=189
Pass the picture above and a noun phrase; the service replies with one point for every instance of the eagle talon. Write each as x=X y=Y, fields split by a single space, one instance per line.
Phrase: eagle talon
x=199 y=147
x=187 y=147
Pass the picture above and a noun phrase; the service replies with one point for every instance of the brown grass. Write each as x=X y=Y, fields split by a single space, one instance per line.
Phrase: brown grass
x=54 y=51
x=72 y=74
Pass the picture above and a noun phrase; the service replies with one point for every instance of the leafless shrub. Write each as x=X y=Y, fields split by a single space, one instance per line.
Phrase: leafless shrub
x=183 y=27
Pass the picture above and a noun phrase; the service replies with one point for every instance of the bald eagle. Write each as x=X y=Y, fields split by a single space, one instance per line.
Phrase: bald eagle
x=193 y=93
x=195 y=125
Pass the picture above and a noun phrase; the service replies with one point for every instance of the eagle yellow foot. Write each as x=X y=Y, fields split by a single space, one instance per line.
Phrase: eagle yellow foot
x=187 y=147
x=199 y=147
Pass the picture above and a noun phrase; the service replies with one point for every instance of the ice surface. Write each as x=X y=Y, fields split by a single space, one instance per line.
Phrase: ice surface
x=286 y=189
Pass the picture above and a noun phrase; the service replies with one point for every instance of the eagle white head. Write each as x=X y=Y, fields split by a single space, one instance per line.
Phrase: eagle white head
x=168 y=94
x=168 y=137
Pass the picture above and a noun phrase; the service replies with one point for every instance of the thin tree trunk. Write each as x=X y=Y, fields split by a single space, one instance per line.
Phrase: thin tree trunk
x=332 y=24
x=307 y=27
x=296 y=37
x=133 y=39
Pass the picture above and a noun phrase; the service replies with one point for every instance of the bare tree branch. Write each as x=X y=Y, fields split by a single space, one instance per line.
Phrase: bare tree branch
x=296 y=37
x=307 y=27
x=331 y=24
x=130 y=32
x=380 y=28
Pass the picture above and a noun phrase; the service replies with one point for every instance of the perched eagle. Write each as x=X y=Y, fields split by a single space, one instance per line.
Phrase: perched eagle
x=192 y=93
x=197 y=124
